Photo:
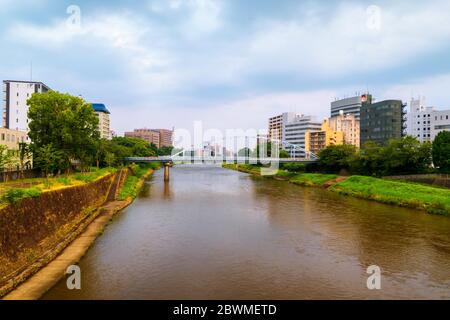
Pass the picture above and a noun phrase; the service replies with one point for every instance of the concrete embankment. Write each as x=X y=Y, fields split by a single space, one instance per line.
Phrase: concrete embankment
x=45 y=235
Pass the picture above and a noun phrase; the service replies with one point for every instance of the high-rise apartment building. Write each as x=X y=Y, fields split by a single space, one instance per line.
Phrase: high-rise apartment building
x=165 y=137
x=350 y=106
x=148 y=135
x=158 y=137
x=315 y=141
x=103 y=120
x=15 y=108
x=382 y=121
x=349 y=125
x=295 y=131
x=277 y=125
x=425 y=123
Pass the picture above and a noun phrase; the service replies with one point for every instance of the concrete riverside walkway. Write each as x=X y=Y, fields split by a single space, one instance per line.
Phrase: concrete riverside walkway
x=48 y=276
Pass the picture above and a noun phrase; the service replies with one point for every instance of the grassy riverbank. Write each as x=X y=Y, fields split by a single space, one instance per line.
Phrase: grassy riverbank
x=412 y=195
x=135 y=181
x=14 y=191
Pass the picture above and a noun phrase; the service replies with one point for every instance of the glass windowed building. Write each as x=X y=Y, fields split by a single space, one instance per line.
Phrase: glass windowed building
x=382 y=121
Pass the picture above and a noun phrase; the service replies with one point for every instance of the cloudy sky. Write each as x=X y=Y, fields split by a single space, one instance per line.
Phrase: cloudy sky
x=229 y=63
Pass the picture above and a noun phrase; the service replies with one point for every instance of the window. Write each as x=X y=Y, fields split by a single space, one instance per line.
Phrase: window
x=3 y=137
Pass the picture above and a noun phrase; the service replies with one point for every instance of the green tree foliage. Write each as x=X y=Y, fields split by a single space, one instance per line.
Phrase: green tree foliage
x=135 y=147
x=284 y=154
x=48 y=159
x=406 y=155
x=336 y=158
x=66 y=123
x=6 y=158
x=165 y=151
x=441 y=152
x=24 y=157
x=400 y=156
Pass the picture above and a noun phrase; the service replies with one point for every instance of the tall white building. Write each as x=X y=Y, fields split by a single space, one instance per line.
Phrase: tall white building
x=424 y=122
x=103 y=120
x=295 y=130
x=15 y=108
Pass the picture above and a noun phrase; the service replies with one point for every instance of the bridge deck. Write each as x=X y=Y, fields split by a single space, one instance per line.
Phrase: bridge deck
x=219 y=160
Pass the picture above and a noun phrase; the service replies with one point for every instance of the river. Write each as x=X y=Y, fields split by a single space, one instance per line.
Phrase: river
x=212 y=233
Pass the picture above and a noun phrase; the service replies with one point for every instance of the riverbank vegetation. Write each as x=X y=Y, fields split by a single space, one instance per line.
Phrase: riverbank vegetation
x=398 y=157
x=134 y=182
x=14 y=191
x=431 y=199
x=405 y=194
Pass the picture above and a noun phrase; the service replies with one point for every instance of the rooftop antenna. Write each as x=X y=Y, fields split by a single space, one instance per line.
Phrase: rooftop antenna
x=31 y=70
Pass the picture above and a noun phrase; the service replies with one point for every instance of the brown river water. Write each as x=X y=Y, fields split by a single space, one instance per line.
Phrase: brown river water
x=212 y=233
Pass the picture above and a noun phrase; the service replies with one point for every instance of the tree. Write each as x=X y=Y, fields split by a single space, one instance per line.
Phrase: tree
x=335 y=158
x=165 y=151
x=284 y=154
x=24 y=157
x=137 y=147
x=244 y=152
x=441 y=151
x=6 y=158
x=65 y=122
x=48 y=159
x=405 y=155
x=110 y=159
x=369 y=161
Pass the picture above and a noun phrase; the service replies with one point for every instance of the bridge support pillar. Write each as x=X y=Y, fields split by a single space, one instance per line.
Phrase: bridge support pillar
x=166 y=171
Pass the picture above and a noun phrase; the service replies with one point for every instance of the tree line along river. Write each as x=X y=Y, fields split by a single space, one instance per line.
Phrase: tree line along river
x=212 y=233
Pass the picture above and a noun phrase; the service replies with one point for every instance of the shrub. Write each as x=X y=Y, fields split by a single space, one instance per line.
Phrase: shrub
x=15 y=195
x=65 y=181
x=294 y=167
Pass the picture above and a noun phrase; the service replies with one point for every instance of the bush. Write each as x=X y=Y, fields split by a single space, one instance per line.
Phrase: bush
x=294 y=167
x=441 y=151
x=15 y=195
x=65 y=181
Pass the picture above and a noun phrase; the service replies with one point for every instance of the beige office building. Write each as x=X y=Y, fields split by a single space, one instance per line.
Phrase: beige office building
x=349 y=124
x=11 y=138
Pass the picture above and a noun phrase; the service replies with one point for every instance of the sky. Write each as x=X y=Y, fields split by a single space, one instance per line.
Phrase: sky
x=227 y=63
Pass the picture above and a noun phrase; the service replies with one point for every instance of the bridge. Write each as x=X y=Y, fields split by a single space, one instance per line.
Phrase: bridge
x=168 y=161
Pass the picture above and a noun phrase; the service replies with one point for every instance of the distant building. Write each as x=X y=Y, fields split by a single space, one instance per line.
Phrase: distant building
x=15 y=108
x=11 y=138
x=350 y=106
x=165 y=137
x=295 y=131
x=103 y=120
x=277 y=125
x=382 y=121
x=315 y=141
x=425 y=123
x=349 y=125
x=152 y=137
x=159 y=137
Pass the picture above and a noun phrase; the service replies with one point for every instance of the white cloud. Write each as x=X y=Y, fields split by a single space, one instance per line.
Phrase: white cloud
x=341 y=43
x=245 y=113
x=435 y=89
